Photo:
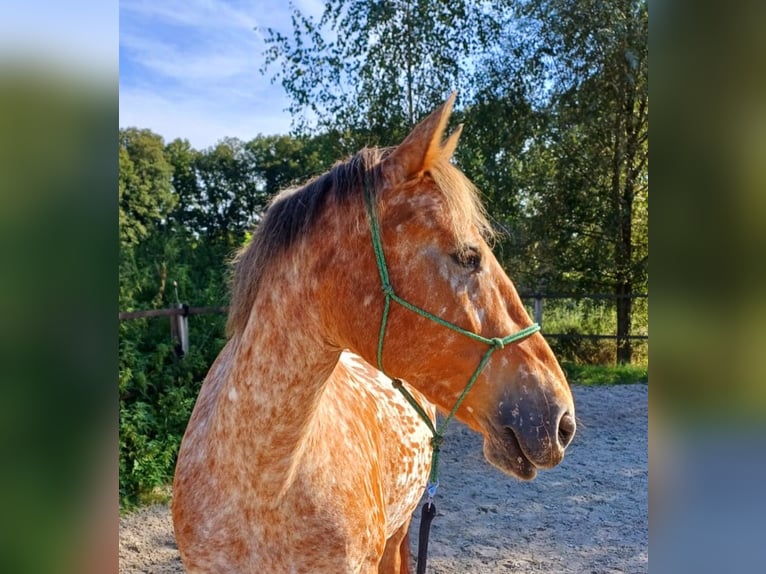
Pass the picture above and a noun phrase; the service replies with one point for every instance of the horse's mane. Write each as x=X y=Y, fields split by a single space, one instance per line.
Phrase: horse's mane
x=293 y=212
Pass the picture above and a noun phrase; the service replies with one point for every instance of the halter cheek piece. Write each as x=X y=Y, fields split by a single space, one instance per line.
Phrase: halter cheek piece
x=390 y=295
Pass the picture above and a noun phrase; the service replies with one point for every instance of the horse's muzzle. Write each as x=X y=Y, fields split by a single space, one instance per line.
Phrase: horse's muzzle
x=542 y=427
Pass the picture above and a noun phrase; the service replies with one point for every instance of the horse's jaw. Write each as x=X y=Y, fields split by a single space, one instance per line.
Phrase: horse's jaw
x=503 y=451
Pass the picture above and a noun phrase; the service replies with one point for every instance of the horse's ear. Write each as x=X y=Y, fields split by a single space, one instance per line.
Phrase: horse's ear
x=423 y=146
x=450 y=144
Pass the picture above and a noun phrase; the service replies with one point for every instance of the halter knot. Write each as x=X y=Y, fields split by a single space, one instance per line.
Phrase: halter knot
x=387 y=289
x=497 y=343
x=397 y=383
x=436 y=442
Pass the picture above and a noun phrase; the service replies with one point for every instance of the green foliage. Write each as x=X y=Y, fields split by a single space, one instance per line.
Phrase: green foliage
x=573 y=318
x=490 y=157
x=588 y=316
x=183 y=213
x=374 y=68
x=157 y=394
x=144 y=184
x=605 y=374
x=284 y=161
x=157 y=389
x=581 y=177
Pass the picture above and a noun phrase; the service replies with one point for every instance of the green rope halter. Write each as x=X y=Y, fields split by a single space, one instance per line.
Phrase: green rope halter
x=390 y=295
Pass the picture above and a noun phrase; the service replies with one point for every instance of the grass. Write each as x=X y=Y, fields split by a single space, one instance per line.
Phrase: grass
x=157 y=495
x=605 y=374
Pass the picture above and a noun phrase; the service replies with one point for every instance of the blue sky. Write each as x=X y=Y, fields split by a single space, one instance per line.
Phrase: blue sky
x=189 y=68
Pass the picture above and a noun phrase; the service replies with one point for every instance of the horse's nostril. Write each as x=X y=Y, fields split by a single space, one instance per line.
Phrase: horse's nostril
x=567 y=429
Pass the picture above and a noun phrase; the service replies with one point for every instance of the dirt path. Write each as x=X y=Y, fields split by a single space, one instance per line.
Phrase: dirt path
x=587 y=516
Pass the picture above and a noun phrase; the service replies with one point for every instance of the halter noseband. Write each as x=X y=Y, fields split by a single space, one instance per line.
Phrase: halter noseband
x=390 y=295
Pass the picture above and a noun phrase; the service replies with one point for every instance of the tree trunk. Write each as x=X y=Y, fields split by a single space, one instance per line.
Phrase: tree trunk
x=621 y=222
x=624 y=312
x=627 y=132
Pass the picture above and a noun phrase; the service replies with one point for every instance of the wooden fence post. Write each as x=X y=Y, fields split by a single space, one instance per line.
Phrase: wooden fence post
x=539 y=310
x=179 y=330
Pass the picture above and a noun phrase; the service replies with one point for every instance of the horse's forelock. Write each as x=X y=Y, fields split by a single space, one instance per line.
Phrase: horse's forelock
x=463 y=201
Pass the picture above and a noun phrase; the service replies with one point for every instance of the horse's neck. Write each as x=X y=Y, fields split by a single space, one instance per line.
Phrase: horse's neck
x=274 y=383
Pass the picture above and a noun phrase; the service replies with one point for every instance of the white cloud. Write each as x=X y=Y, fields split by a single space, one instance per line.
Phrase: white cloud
x=207 y=14
x=202 y=119
x=190 y=69
x=190 y=41
x=204 y=61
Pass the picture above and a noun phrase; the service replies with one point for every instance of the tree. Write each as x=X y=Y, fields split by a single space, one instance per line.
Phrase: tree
x=585 y=188
x=157 y=390
x=186 y=185
x=498 y=130
x=230 y=194
x=145 y=195
x=146 y=200
x=283 y=161
x=371 y=69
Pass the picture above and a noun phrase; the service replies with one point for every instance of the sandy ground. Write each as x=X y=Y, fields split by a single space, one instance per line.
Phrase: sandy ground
x=587 y=516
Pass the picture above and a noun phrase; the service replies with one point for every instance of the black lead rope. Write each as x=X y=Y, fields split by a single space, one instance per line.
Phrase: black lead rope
x=426 y=516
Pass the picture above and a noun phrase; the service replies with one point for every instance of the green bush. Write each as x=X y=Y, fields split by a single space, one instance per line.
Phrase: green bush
x=605 y=374
x=575 y=317
x=157 y=394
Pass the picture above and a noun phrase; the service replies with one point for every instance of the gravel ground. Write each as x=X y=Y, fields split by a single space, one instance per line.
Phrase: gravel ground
x=589 y=515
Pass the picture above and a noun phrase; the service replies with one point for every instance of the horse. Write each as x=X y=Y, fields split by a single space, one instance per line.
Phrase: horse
x=300 y=455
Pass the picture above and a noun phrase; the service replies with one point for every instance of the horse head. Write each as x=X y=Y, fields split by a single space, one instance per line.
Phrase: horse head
x=434 y=239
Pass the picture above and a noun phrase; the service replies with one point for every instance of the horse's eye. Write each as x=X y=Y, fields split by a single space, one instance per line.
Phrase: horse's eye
x=468 y=257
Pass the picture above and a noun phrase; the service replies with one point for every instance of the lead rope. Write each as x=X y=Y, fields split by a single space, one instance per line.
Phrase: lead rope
x=427 y=514
x=429 y=508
